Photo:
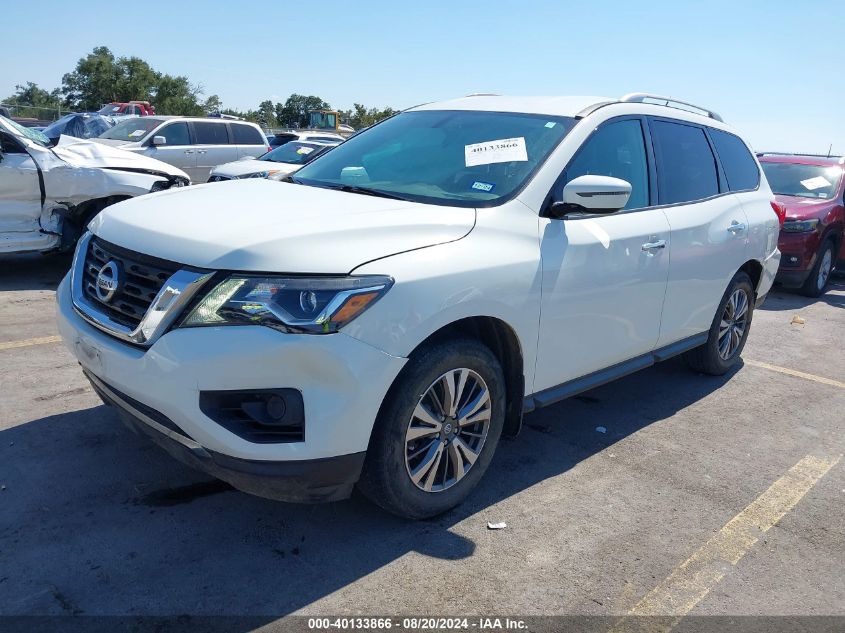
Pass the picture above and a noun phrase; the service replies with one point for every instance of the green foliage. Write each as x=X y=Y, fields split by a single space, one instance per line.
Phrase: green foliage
x=101 y=78
x=294 y=113
x=360 y=117
x=39 y=103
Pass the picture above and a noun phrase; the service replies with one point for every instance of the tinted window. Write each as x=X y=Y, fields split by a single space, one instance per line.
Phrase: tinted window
x=686 y=167
x=176 y=134
x=616 y=150
x=211 y=133
x=804 y=181
x=247 y=135
x=740 y=167
x=281 y=139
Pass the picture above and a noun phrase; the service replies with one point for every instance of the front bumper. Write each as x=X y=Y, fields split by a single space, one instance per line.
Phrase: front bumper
x=799 y=252
x=303 y=481
x=342 y=380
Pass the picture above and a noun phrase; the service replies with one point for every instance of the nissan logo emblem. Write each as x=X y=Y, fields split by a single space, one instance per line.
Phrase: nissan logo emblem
x=108 y=281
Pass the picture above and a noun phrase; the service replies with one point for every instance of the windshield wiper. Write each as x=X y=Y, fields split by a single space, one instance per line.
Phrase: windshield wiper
x=368 y=192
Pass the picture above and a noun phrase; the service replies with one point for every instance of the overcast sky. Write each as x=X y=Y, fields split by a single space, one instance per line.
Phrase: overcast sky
x=773 y=69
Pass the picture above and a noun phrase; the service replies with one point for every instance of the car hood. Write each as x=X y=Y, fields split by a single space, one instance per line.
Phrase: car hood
x=250 y=166
x=267 y=226
x=801 y=208
x=112 y=142
x=83 y=153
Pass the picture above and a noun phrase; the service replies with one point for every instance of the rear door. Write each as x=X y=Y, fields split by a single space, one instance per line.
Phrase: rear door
x=178 y=150
x=248 y=140
x=213 y=147
x=709 y=228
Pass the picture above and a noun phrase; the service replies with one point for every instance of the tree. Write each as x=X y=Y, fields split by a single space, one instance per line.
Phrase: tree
x=212 y=105
x=175 y=95
x=360 y=117
x=101 y=78
x=267 y=114
x=31 y=101
x=295 y=111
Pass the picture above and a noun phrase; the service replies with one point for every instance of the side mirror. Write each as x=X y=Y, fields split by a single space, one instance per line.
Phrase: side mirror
x=592 y=194
x=159 y=140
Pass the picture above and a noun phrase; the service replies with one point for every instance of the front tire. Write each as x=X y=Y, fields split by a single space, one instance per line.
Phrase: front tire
x=819 y=278
x=729 y=330
x=437 y=430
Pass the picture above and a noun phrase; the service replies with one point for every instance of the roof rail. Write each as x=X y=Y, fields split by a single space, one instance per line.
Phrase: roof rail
x=483 y=94
x=643 y=97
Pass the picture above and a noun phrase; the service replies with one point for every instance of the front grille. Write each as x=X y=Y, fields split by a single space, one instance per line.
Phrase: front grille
x=143 y=277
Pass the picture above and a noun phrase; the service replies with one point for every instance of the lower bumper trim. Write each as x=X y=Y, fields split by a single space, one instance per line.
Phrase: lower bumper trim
x=300 y=481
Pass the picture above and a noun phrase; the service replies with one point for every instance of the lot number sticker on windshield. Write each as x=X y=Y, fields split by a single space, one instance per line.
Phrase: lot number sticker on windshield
x=503 y=150
x=138 y=133
x=305 y=150
x=815 y=183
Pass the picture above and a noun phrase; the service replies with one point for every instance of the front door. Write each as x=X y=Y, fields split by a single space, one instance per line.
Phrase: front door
x=20 y=199
x=178 y=149
x=603 y=276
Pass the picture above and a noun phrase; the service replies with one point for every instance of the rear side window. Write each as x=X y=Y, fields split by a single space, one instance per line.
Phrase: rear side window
x=616 y=150
x=740 y=167
x=686 y=167
x=247 y=135
x=211 y=133
x=176 y=134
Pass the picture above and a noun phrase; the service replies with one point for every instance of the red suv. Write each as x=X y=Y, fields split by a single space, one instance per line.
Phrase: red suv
x=812 y=191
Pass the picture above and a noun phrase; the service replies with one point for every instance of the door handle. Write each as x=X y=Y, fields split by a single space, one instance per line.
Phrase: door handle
x=736 y=227
x=653 y=246
x=189 y=151
x=202 y=151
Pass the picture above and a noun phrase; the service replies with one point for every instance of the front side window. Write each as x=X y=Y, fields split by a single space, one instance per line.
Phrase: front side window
x=132 y=130
x=211 y=133
x=686 y=167
x=803 y=181
x=616 y=150
x=739 y=165
x=449 y=157
x=176 y=134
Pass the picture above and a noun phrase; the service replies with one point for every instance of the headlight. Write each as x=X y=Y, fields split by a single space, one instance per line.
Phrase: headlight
x=316 y=305
x=800 y=226
x=258 y=174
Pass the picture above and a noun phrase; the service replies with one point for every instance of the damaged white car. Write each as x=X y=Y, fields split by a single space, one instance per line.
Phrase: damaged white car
x=49 y=193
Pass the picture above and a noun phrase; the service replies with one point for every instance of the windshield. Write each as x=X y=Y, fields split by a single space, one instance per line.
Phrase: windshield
x=132 y=130
x=294 y=153
x=33 y=135
x=805 y=181
x=109 y=108
x=460 y=158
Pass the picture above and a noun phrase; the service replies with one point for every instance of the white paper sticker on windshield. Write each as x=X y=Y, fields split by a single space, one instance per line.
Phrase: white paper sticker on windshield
x=503 y=150
x=305 y=150
x=815 y=183
x=138 y=133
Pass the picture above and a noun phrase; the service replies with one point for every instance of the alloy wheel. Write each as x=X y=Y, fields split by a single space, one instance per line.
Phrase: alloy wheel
x=447 y=430
x=733 y=323
x=824 y=269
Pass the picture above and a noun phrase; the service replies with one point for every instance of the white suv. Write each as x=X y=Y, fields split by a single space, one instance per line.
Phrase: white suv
x=384 y=316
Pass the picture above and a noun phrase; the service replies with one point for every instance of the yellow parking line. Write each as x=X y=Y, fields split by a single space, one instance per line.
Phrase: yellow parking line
x=797 y=374
x=44 y=340
x=693 y=579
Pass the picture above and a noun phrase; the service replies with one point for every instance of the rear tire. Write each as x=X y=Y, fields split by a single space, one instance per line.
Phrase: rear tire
x=819 y=278
x=728 y=332
x=426 y=455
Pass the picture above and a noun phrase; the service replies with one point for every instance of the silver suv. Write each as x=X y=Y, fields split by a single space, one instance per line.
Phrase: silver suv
x=194 y=145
